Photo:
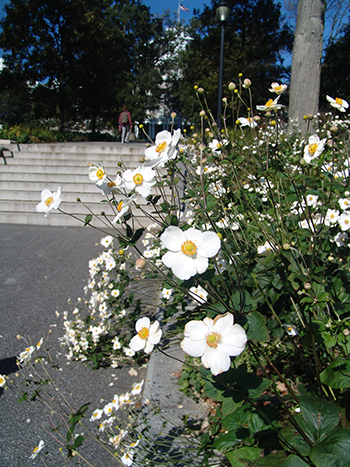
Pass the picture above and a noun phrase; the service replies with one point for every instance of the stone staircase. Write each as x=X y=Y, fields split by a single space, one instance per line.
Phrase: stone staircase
x=34 y=167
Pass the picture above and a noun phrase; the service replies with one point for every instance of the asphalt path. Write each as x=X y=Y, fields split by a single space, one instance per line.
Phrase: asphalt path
x=40 y=269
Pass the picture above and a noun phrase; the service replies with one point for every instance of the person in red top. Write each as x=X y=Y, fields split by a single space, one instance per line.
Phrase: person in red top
x=124 y=124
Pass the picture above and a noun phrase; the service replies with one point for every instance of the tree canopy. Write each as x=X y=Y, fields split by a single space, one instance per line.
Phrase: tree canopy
x=82 y=59
x=255 y=36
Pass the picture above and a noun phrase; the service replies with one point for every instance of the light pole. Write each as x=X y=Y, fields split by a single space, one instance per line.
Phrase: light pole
x=222 y=13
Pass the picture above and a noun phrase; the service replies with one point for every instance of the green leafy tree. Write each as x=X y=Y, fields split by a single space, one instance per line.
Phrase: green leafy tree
x=255 y=36
x=81 y=59
x=335 y=70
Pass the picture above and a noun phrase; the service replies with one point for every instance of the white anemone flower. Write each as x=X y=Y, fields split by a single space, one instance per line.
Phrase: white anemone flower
x=344 y=220
x=199 y=294
x=164 y=149
x=147 y=335
x=267 y=247
x=127 y=458
x=216 y=146
x=332 y=216
x=278 y=88
x=111 y=186
x=291 y=330
x=37 y=449
x=188 y=250
x=247 y=122
x=270 y=105
x=97 y=173
x=2 y=381
x=123 y=207
x=49 y=201
x=215 y=341
x=314 y=149
x=341 y=238
x=140 y=180
x=338 y=103
x=106 y=241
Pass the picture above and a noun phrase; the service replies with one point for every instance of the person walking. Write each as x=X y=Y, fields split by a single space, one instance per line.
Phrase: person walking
x=124 y=124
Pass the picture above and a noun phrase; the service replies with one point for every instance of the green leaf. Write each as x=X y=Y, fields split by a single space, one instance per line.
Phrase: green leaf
x=256 y=327
x=137 y=235
x=211 y=202
x=337 y=374
x=294 y=461
x=319 y=417
x=333 y=451
x=88 y=219
x=245 y=453
x=290 y=435
x=272 y=460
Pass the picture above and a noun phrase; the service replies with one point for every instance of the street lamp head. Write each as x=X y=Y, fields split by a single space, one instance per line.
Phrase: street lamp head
x=223 y=11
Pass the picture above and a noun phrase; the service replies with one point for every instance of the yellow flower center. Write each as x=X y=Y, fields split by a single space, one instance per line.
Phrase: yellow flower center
x=213 y=339
x=120 y=205
x=278 y=88
x=35 y=449
x=269 y=103
x=312 y=148
x=188 y=248
x=100 y=174
x=249 y=119
x=339 y=101
x=138 y=179
x=161 y=147
x=111 y=184
x=346 y=221
x=143 y=333
x=48 y=201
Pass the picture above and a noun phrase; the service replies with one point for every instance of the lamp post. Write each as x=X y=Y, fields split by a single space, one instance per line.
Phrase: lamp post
x=222 y=13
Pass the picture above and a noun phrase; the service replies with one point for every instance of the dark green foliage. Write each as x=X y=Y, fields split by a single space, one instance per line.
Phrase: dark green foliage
x=335 y=70
x=78 y=60
x=254 y=38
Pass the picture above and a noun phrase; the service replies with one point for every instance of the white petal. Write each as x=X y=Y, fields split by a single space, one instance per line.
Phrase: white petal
x=142 y=323
x=201 y=264
x=209 y=244
x=216 y=359
x=224 y=324
x=193 y=348
x=196 y=330
x=170 y=258
x=137 y=343
x=172 y=238
x=148 y=347
x=184 y=267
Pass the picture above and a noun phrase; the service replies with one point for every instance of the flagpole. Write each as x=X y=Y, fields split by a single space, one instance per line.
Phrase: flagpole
x=178 y=13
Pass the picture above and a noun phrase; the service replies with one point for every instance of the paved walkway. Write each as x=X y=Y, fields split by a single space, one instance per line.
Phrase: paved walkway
x=40 y=268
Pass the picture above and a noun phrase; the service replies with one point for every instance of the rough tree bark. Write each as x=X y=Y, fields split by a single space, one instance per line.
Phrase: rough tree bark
x=306 y=63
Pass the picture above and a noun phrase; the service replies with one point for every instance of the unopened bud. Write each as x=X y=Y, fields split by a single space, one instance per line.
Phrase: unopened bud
x=202 y=113
x=173 y=114
x=240 y=75
x=247 y=83
x=140 y=263
x=200 y=90
x=257 y=118
x=307 y=286
x=333 y=129
x=231 y=86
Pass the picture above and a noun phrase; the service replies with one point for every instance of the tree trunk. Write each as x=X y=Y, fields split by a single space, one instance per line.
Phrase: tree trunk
x=306 y=63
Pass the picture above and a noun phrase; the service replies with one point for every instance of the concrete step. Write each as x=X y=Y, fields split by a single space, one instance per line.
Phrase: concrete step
x=80 y=148
x=38 y=166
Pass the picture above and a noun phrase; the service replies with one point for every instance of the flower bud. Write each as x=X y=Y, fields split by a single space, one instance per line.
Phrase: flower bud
x=307 y=286
x=333 y=129
x=247 y=83
x=257 y=118
x=273 y=122
x=200 y=90
x=268 y=114
x=121 y=252
x=195 y=87
x=202 y=113
x=224 y=100
x=141 y=126
x=240 y=75
x=231 y=86
x=140 y=263
x=173 y=114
